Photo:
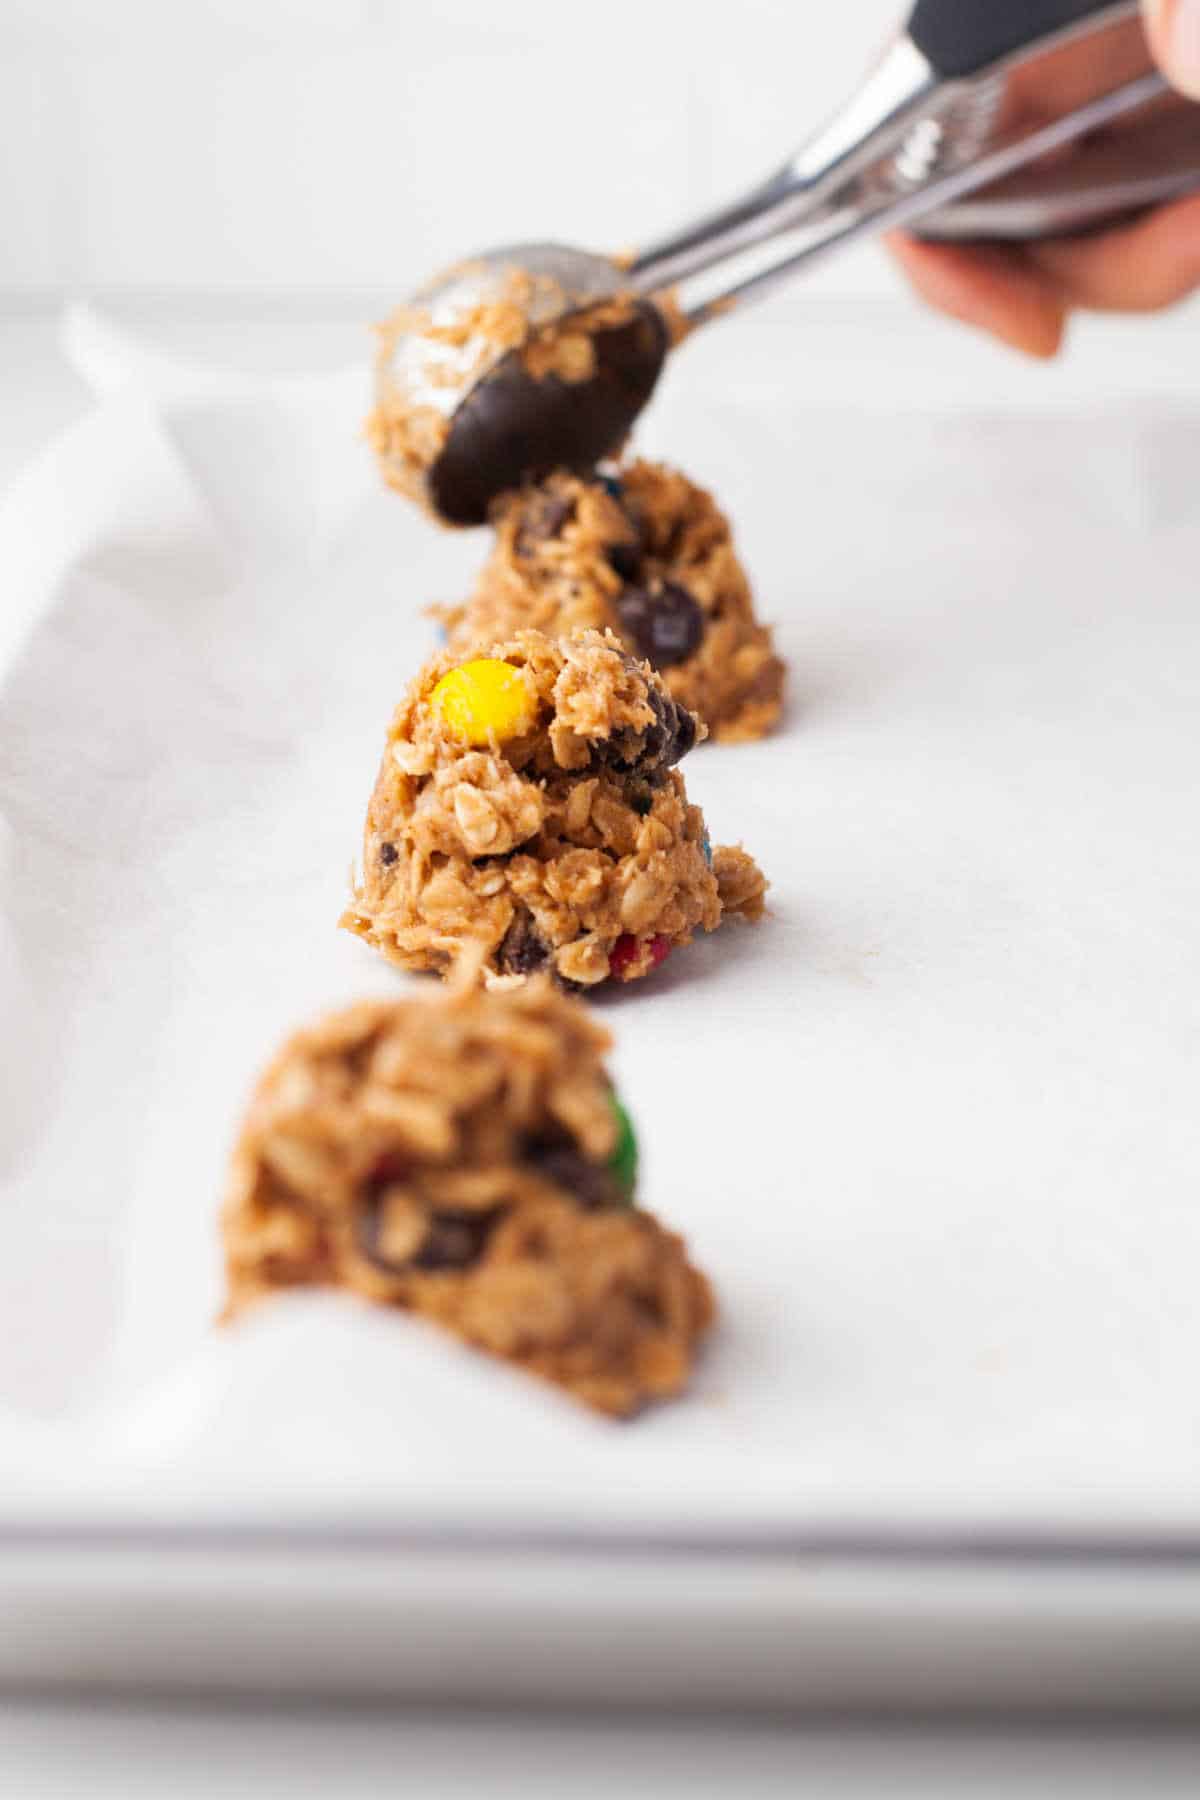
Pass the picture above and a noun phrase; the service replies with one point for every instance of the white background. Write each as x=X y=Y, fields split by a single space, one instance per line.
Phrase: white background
x=304 y=149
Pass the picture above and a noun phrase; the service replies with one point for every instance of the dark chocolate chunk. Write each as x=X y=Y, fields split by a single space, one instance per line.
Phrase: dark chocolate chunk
x=680 y=725
x=673 y=733
x=665 y=623
x=658 y=746
x=592 y=1185
x=388 y=854
x=625 y=559
x=522 y=948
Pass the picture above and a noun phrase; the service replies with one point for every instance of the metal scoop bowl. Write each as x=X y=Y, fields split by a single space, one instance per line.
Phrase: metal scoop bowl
x=507 y=424
x=925 y=133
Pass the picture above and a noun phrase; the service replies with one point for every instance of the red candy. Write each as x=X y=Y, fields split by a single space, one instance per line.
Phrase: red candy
x=629 y=954
x=624 y=953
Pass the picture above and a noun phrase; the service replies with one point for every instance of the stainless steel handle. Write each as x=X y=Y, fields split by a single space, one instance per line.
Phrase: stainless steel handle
x=905 y=85
x=1146 y=166
x=838 y=231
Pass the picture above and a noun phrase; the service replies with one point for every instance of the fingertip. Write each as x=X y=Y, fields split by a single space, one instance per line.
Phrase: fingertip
x=1049 y=339
x=945 y=277
x=989 y=291
x=1173 y=28
x=1037 y=331
x=1146 y=266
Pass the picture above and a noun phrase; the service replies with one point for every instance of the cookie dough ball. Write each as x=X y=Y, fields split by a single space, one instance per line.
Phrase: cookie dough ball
x=465 y=1157
x=648 y=555
x=528 y=812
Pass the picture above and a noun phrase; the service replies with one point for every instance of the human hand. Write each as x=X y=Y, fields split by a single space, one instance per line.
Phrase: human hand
x=1025 y=294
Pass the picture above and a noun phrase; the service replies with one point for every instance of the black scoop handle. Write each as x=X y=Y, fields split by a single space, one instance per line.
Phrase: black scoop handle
x=962 y=37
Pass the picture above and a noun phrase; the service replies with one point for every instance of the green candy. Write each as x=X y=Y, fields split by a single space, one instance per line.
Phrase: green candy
x=624 y=1160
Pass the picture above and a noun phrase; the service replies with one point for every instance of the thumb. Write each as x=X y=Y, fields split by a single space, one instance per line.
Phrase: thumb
x=1174 y=31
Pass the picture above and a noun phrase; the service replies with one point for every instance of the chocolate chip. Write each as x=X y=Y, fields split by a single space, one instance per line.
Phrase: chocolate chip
x=683 y=734
x=673 y=733
x=625 y=556
x=625 y=559
x=388 y=854
x=455 y=1239
x=665 y=623
x=522 y=948
x=658 y=746
x=642 y=802
x=544 y=518
x=592 y=1185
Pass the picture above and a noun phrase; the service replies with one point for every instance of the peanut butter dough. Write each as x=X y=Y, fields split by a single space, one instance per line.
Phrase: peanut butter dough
x=528 y=807
x=646 y=554
x=464 y=1157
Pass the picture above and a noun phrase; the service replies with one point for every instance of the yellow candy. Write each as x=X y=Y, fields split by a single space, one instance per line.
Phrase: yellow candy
x=484 y=699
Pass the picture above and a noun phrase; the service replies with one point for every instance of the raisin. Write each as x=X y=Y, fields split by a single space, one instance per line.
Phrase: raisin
x=522 y=948
x=388 y=854
x=665 y=622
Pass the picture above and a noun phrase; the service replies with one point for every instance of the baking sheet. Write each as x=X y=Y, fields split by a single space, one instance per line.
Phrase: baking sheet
x=932 y=1128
